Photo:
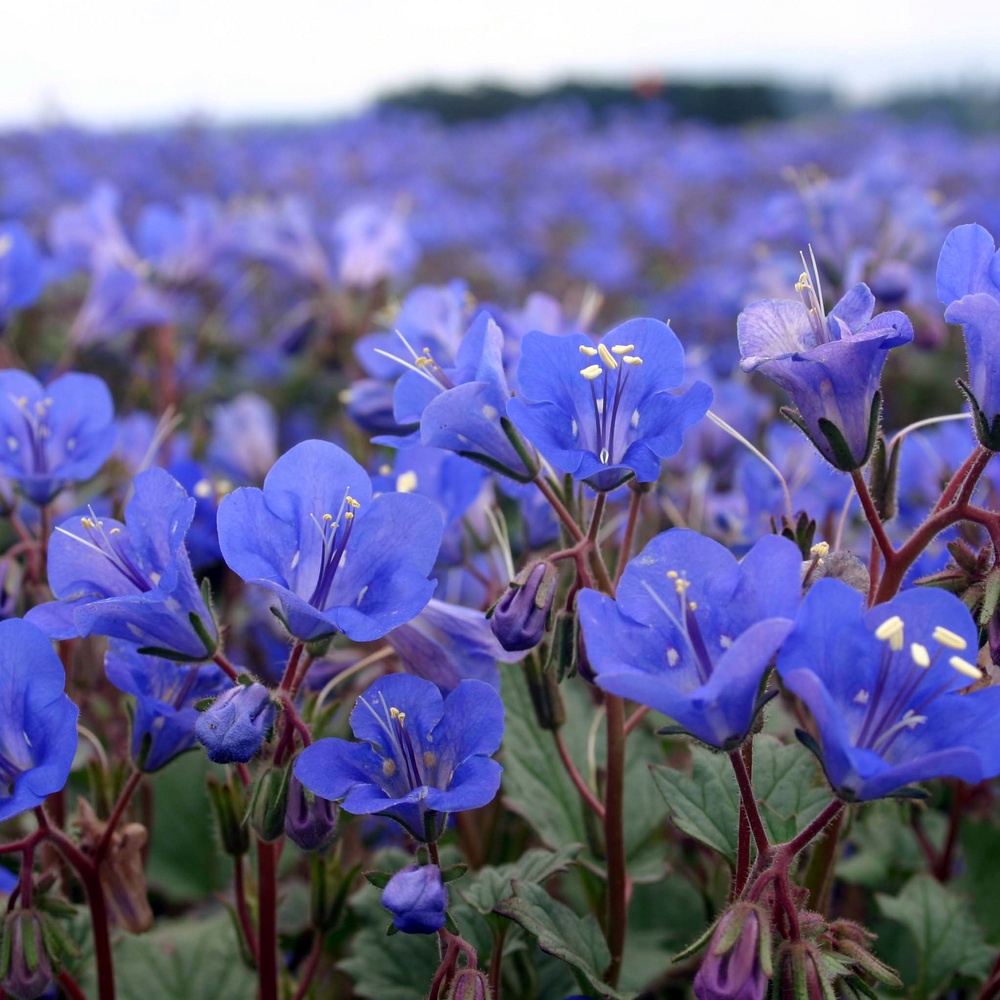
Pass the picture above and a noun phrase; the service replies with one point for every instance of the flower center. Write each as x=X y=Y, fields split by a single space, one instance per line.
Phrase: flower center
x=608 y=377
x=334 y=533
x=37 y=431
x=689 y=626
x=811 y=292
x=113 y=546
x=888 y=707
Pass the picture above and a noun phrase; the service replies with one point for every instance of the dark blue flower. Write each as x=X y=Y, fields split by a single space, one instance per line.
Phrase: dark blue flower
x=692 y=630
x=883 y=687
x=235 y=725
x=337 y=560
x=310 y=822
x=417 y=899
x=607 y=413
x=20 y=270
x=54 y=435
x=968 y=281
x=423 y=756
x=830 y=365
x=37 y=720
x=165 y=695
x=132 y=581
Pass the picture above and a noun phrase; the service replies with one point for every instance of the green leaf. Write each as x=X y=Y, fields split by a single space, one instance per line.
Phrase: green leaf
x=489 y=886
x=561 y=933
x=705 y=803
x=981 y=877
x=786 y=780
x=185 y=862
x=884 y=845
x=949 y=941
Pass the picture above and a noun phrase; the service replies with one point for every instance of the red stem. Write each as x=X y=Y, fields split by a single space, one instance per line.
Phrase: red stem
x=614 y=836
x=312 y=964
x=267 y=897
x=242 y=909
x=123 y=800
x=749 y=801
x=589 y=798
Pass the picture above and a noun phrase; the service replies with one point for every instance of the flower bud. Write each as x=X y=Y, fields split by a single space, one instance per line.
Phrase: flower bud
x=738 y=963
x=469 y=984
x=25 y=965
x=417 y=899
x=519 y=618
x=267 y=806
x=310 y=822
x=234 y=726
x=229 y=807
x=802 y=975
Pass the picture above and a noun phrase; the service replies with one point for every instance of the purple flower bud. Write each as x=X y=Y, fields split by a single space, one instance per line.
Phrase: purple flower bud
x=738 y=963
x=27 y=970
x=417 y=899
x=310 y=822
x=520 y=616
x=233 y=727
x=469 y=984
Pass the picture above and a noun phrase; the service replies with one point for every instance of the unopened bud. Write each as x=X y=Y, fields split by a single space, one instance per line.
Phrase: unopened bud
x=234 y=726
x=228 y=803
x=310 y=822
x=519 y=618
x=738 y=963
x=26 y=968
x=470 y=984
x=267 y=806
x=417 y=899
x=802 y=973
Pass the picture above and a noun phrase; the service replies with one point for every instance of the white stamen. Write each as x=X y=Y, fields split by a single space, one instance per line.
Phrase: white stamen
x=965 y=668
x=949 y=639
x=920 y=655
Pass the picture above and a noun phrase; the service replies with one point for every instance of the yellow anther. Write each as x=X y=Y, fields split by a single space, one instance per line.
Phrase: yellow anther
x=328 y=518
x=692 y=605
x=607 y=357
x=632 y=359
x=115 y=531
x=672 y=574
x=591 y=372
x=920 y=655
x=966 y=669
x=407 y=482
x=819 y=550
x=947 y=638
x=588 y=352
x=892 y=630
x=803 y=283
x=398 y=716
x=348 y=515
x=87 y=523
x=425 y=362
x=622 y=348
x=384 y=470
x=351 y=502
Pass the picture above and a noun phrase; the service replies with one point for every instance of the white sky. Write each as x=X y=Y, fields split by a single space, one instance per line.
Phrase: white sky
x=134 y=61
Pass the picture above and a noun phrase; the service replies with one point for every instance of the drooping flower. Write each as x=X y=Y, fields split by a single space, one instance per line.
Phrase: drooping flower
x=616 y=416
x=692 y=631
x=235 y=725
x=968 y=281
x=310 y=822
x=520 y=617
x=417 y=899
x=884 y=688
x=738 y=963
x=165 y=697
x=132 y=581
x=423 y=756
x=337 y=560
x=830 y=364
x=54 y=435
x=37 y=719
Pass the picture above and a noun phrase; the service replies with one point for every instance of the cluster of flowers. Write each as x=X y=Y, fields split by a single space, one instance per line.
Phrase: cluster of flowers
x=504 y=434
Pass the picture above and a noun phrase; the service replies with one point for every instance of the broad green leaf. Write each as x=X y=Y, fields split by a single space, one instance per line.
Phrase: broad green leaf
x=705 y=803
x=883 y=845
x=949 y=941
x=981 y=878
x=185 y=862
x=786 y=780
x=561 y=933
x=483 y=889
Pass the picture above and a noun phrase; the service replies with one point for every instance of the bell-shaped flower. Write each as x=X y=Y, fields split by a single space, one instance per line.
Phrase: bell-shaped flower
x=422 y=756
x=885 y=689
x=37 y=720
x=165 y=698
x=968 y=281
x=692 y=631
x=337 y=560
x=606 y=413
x=54 y=435
x=131 y=581
x=831 y=365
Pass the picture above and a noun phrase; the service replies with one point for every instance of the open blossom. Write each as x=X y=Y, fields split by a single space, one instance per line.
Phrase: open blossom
x=606 y=413
x=422 y=755
x=692 y=631
x=336 y=559
x=830 y=364
x=54 y=435
x=884 y=688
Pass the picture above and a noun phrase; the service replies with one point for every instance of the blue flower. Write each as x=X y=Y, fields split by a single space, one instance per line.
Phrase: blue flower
x=20 y=270
x=692 y=631
x=235 y=725
x=883 y=687
x=132 y=581
x=830 y=365
x=37 y=720
x=968 y=281
x=54 y=435
x=417 y=899
x=424 y=756
x=165 y=695
x=606 y=413
x=337 y=560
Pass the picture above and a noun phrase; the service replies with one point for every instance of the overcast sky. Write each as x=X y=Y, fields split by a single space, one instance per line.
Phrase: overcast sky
x=110 y=62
